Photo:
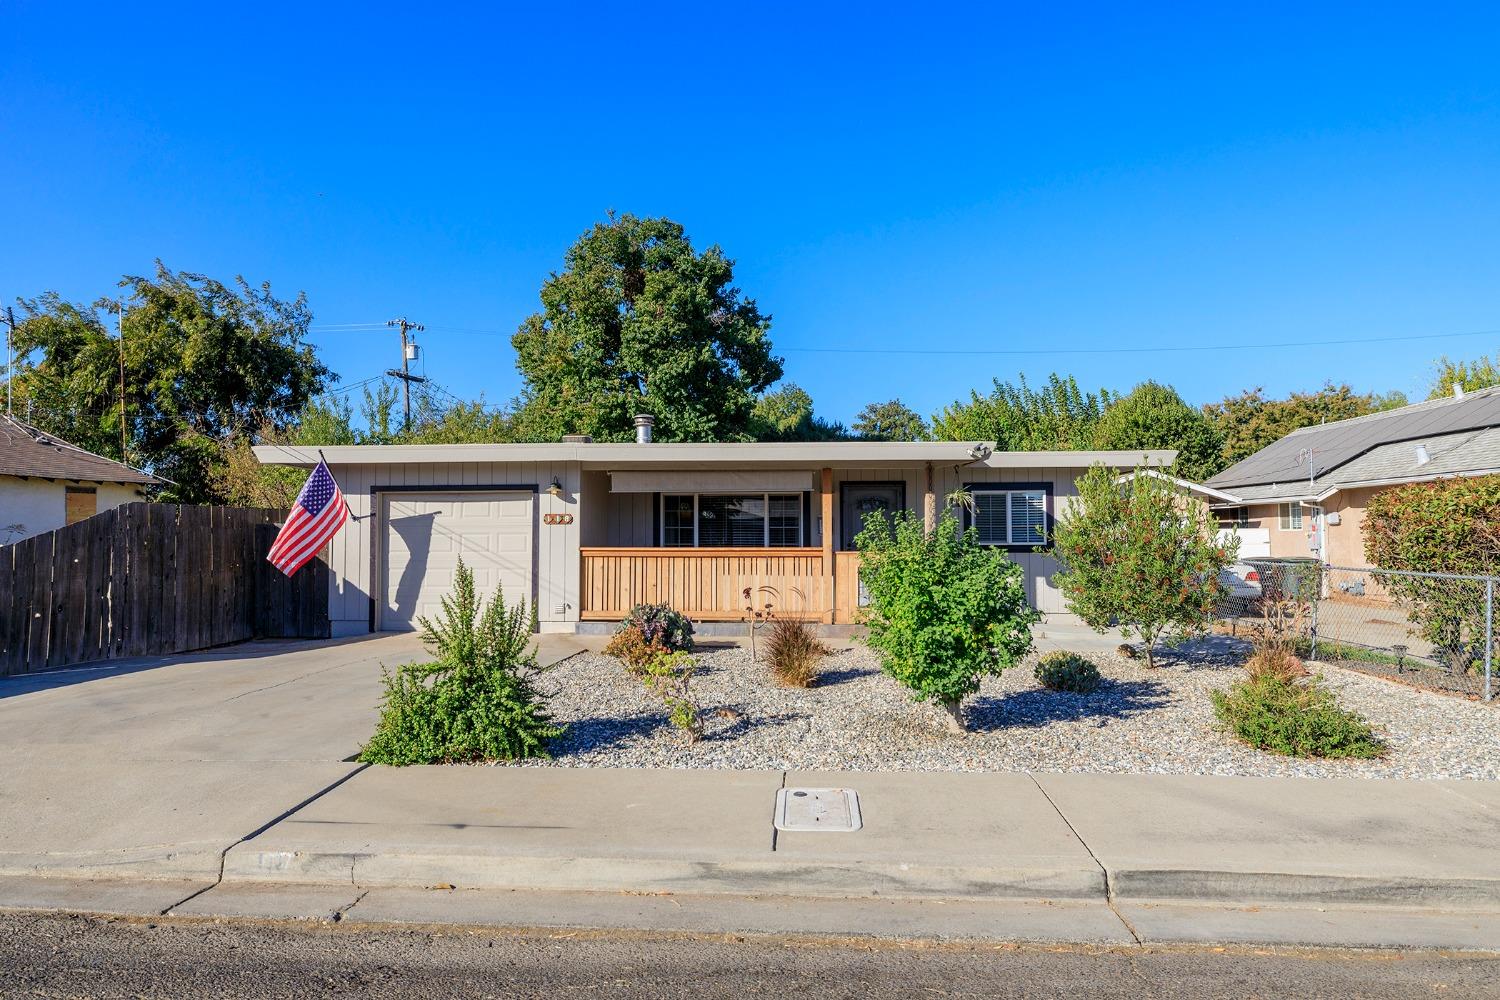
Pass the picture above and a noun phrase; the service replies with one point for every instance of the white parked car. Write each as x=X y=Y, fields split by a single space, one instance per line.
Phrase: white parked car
x=1241 y=580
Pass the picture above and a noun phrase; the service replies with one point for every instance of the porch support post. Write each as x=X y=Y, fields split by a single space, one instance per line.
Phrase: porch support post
x=929 y=504
x=828 y=580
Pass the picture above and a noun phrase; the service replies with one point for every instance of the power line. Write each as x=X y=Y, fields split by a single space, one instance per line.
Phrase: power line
x=1001 y=352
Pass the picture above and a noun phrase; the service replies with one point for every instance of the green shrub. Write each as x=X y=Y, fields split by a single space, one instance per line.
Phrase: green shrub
x=1060 y=671
x=661 y=625
x=1141 y=554
x=1296 y=720
x=1445 y=526
x=670 y=675
x=477 y=701
x=793 y=652
x=944 y=610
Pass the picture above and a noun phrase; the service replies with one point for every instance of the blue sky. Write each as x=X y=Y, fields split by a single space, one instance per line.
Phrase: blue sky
x=912 y=177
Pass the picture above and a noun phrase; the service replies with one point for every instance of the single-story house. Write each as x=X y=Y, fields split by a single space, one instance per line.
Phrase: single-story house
x=585 y=530
x=46 y=483
x=1305 y=495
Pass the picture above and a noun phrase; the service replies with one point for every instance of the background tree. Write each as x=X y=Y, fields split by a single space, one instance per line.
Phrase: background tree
x=944 y=611
x=1445 y=526
x=1142 y=554
x=1248 y=422
x=640 y=321
x=892 y=420
x=1481 y=373
x=1058 y=417
x=1154 y=416
x=204 y=363
x=786 y=414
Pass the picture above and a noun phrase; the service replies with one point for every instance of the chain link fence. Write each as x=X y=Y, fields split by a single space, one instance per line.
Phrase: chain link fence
x=1432 y=630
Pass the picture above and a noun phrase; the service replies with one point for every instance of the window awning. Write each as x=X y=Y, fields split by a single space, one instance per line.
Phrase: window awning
x=712 y=481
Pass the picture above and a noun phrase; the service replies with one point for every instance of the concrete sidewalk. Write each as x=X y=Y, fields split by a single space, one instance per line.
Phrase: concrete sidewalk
x=925 y=835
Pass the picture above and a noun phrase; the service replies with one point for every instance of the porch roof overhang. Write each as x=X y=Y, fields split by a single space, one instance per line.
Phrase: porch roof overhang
x=783 y=455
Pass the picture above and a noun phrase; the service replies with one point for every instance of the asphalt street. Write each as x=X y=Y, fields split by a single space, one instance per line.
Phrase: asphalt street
x=52 y=955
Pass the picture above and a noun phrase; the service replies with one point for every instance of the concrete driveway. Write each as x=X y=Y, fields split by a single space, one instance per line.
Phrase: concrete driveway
x=142 y=767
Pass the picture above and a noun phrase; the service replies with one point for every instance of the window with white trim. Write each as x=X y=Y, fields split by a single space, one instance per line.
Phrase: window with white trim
x=1016 y=518
x=1291 y=517
x=718 y=520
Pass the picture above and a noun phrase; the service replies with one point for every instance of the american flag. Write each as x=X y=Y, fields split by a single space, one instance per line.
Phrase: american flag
x=316 y=517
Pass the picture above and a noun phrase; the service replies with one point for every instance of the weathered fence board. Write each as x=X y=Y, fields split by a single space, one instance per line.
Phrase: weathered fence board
x=147 y=579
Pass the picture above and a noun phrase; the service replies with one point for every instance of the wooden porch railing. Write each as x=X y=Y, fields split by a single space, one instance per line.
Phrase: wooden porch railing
x=705 y=584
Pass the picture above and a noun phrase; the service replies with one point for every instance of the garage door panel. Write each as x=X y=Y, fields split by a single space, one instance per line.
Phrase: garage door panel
x=426 y=536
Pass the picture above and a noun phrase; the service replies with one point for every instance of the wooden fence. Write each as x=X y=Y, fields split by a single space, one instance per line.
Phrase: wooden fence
x=148 y=579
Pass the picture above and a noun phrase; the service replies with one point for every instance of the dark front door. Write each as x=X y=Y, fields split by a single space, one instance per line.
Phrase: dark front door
x=863 y=500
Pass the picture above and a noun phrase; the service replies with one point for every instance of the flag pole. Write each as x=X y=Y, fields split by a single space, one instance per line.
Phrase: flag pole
x=347 y=509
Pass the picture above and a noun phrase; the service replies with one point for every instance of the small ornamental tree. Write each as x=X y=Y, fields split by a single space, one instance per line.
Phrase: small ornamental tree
x=944 y=610
x=1140 y=554
x=1445 y=526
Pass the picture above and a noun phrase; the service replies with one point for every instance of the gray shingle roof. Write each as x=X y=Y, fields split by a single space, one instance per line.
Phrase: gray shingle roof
x=26 y=451
x=1332 y=446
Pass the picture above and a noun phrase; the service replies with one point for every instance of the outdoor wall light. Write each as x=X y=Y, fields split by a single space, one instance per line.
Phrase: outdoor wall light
x=556 y=488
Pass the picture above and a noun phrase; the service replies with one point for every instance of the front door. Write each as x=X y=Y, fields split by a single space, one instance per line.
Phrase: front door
x=862 y=500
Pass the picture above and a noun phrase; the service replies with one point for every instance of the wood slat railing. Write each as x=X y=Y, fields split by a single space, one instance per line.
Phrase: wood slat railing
x=705 y=584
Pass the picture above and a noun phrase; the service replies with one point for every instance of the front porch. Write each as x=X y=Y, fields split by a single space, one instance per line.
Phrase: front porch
x=710 y=584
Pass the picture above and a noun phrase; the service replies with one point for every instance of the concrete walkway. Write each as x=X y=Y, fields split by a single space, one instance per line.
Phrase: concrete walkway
x=220 y=784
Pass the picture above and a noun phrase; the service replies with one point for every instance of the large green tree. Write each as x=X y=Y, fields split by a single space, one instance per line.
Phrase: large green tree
x=1057 y=417
x=640 y=321
x=892 y=420
x=1153 y=415
x=1249 y=421
x=203 y=363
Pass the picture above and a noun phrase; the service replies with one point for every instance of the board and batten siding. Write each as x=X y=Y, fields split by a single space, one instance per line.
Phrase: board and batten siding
x=629 y=519
x=353 y=554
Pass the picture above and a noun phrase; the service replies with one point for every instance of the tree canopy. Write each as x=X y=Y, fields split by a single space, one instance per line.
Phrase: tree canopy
x=1057 y=417
x=786 y=414
x=1470 y=376
x=204 y=362
x=638 y=321
x=892 y=420
x=1249 y=421
x=1153 y=415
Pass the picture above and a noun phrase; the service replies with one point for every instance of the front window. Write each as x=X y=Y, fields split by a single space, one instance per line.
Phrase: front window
x=1013 y=518
x=1291 y=517
x=1233 y=517
x=713 y=520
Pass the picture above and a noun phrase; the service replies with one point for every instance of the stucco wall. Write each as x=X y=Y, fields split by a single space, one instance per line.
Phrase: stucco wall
x=35 y=504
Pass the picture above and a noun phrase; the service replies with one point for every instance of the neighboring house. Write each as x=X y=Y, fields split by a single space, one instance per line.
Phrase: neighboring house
x=1306 y=494
x=586 y=531
x=46 y=482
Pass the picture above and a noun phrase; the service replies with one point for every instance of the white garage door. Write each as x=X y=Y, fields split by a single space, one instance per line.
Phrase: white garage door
x=425 y=533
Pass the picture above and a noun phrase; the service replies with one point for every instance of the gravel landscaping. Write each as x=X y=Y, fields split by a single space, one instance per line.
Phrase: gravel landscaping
x=1139 y=721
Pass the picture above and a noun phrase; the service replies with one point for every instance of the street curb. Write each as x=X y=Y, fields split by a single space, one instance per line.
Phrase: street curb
x=734 y=877
x=1189 y=886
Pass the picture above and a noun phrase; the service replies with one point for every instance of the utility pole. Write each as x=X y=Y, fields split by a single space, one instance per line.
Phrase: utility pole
x=408 y=353
x=10 y=361
x=120 y=329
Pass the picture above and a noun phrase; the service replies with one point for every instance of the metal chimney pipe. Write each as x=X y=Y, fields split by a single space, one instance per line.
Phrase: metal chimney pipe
x=643 y=424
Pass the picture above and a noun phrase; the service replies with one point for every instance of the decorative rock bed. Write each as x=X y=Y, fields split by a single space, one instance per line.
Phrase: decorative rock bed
x=1139 y=721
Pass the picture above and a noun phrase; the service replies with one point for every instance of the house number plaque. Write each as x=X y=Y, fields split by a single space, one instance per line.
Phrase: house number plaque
x=557 y=518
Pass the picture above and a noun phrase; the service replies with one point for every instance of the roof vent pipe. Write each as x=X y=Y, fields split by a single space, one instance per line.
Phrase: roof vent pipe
x=1422 y=457
x=1458 y=391
x=643 y=424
